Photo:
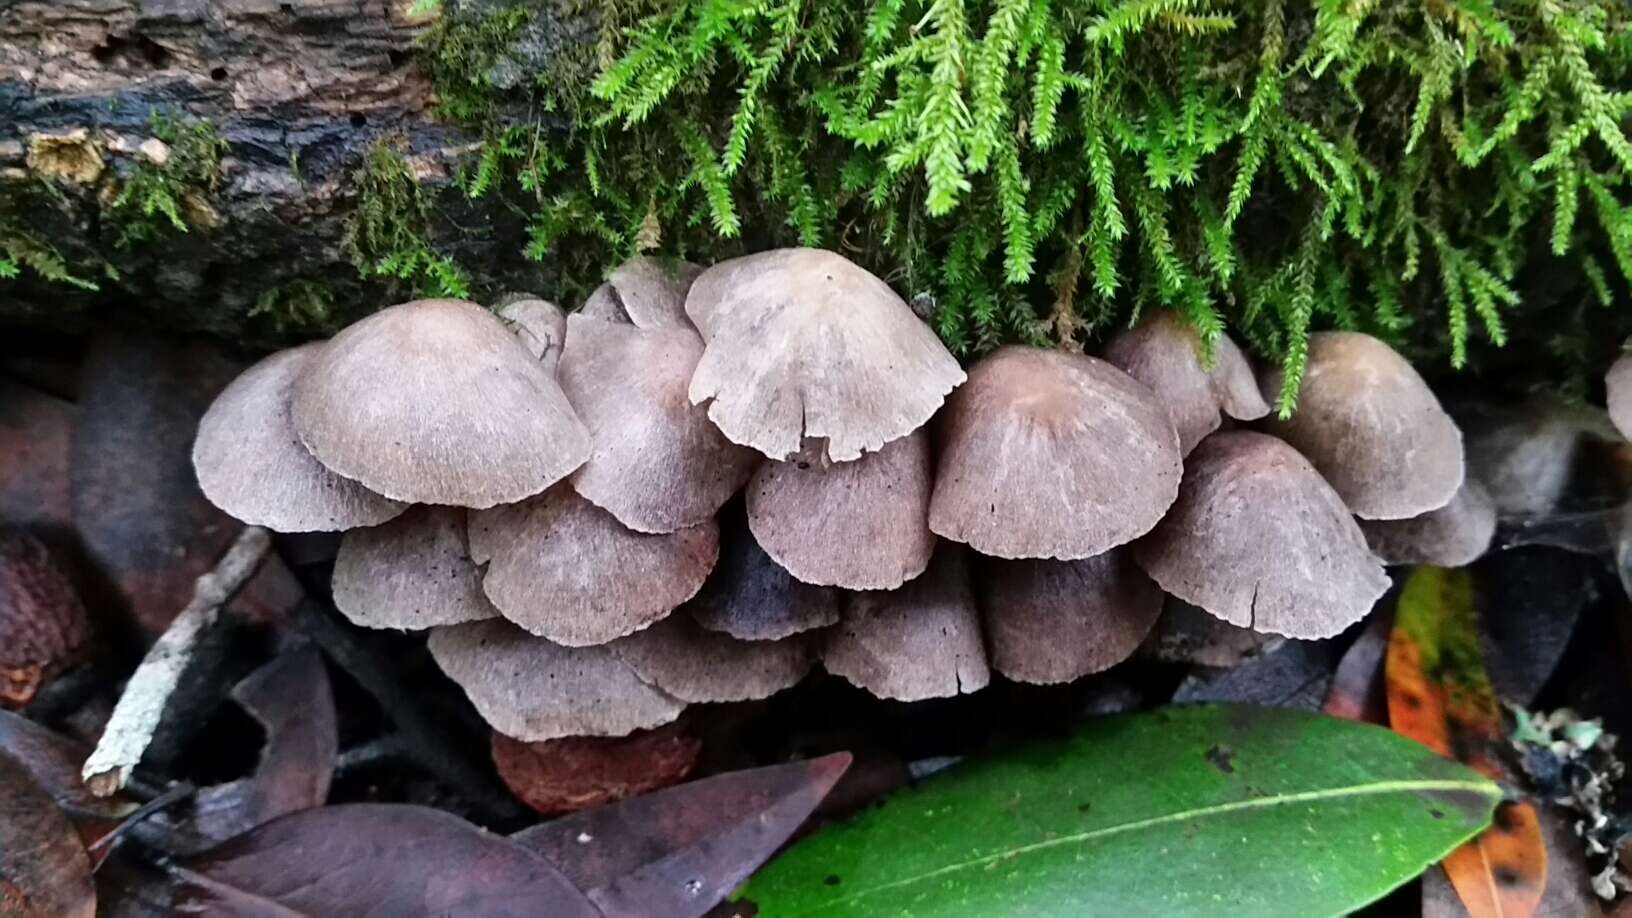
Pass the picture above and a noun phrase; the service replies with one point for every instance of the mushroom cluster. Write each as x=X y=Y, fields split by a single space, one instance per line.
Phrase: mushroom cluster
x=706 y=481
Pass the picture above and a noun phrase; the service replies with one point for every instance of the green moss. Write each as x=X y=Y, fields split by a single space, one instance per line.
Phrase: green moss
x=173 y=193
x=388 y=233
x=300 y=306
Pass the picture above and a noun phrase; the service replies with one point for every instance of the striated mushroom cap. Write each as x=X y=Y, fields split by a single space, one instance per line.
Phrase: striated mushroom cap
x=1618 y=386
x=803 y=343
x=436 y=402
x=752 y=598
x=656 y=462
x=532 y=690
x=1055 y=621
x=1164 y=352
x=1047 y=454
x=861 y=525
x=1369 y=423
x=251 y=464
x=919 y=641
x=1455 y=535
x=1260 y=540
x=645 y=292
x=564 y=569
x=412 y=572
x=680 y=657
x=541 y=326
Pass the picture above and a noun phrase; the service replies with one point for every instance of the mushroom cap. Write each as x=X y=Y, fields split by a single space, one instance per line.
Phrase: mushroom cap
x=251 y=464
x=530 y=689
x=919 y=641
x=1054 y=621
x=645 y=292
x=541 y=326
x=860 y=525
x=1164 y=352
x=436 y=402
x=656 y=462
x=752 y=598
x=1372 y=427
x=564 y=569
x=1618 y=389
x=412 y=572
x=1455 y=535
x=1260 y=540
x=1048 y=454
x=803 y=343
x=693 y=664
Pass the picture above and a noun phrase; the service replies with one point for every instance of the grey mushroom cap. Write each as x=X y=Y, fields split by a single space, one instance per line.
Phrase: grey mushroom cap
x=693 y=664
x=861 y=525
x=541 y=326
x=1372 y=427
x=412 y=572
x=1054 y=621
x=564 y=569
x=251 y=464
x=1260 y=540
x=752 y=598
x=533 y=690
x=804 y=344
x=1048 y=454
x=919 y=641
x=1164 y=352
x=645 y=292
x=656 y=462
x=1618 y=386
x=436 y=402
x=1455 y=535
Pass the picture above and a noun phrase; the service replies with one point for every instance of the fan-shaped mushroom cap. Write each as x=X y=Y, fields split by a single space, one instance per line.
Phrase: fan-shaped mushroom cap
x=861 y=525
x=645 y=292
x=250 y=463
x=656 y=463
x=1618 y=385
x=1452 y=536
x=533 y=690
x=678 y=656
x=802 y=343
x=1260 y=540
x=412 y=572
x=1046 y=454
x=541 y=326
x=436 y=402
x=752 y=598
x=564 y=569
x=1055 y=621
x=919 y=641
x=1369 y=423
x=1164 y=352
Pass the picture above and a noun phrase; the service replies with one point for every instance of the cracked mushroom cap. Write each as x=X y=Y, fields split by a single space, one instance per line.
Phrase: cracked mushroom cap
x=532 y=690
x=919 y=641
x=804 y=344
x=251 y=464
x=541 y=326
x=860 y=525
x=1260 y=540
x=656 y=462
x=436 y=402
x=1455 y=535
x=1372 y=427
x=693 y=664
x=564 y=569
x=1054 y=621
x=752 y=598
x=645 y=292
x=412 y=572
x=1164 y=352
x=1048 y=454
x=1618 y=385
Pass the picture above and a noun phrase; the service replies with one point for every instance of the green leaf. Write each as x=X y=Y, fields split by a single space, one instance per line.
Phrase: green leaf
x=1210 y=810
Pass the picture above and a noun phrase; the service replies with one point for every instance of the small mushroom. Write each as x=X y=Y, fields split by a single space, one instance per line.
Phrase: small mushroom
x=1618 y=386
x=645 y=292
x=1455 y=535
x=436 y=402
x=412 y=572
x=565 y=569
x=752 y=598
x=44 y=628
x=541 y=326
x=1164 y=352
x=919 y=641
x=656 y=462
x=804 y=344
x=532 y=690
x=1372 y=427
x=251 y=464
x=693 y=664
x=1055 y=621
x=1260 y=540
x=1048 y=454
x=861 y=525
x=579 y=772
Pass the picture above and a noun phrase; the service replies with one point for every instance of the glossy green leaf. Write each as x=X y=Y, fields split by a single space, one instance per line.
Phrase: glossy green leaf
x=1208 y=810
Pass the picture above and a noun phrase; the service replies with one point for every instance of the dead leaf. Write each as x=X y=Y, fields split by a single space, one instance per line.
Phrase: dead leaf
x=681 y=851
x=1569 y=883
x=44 y=871
x=43 y=626
x=53 y=762
x=1357 y=691
x=36 y=431
x=577 y=772
x=1543 y=593
x=1293 y=675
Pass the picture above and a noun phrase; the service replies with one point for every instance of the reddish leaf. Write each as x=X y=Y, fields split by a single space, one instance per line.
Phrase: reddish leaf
x=44 y=870
x=1569 y=880
x=43 y=626
x=375 y=859
x=1357 y=691
x=577 y=772
x=681 y=851
x=36 y=431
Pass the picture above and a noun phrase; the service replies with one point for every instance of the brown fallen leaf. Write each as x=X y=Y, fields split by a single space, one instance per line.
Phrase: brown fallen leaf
x=1357 y=691
x=1569 y=881
x=52 y=762
x=43 y=626
x=578 y=772
x=36 y=431
x=680 y=851
x=44 y=871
